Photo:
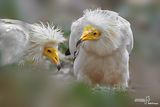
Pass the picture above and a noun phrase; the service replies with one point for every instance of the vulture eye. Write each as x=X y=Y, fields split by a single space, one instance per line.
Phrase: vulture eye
x=49 y=51
x=95 y=33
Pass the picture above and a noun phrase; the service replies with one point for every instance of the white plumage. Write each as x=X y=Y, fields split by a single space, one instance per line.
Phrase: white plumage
x=20 y=41
x=103 y=61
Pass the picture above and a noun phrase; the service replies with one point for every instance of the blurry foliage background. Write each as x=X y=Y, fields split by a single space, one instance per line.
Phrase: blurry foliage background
x=21 y=88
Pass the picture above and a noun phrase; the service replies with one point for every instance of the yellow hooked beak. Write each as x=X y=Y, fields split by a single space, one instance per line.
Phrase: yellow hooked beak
x=89 y=33
x=52 y=54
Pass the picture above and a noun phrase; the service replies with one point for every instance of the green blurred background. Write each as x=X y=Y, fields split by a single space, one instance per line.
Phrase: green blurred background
x=21 y=88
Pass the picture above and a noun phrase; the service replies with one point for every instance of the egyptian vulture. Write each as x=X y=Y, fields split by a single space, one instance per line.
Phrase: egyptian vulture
x=101 y=41
x=20 y=41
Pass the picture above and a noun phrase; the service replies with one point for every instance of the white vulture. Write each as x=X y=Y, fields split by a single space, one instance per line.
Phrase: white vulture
x=20 y=41
x=101 y=41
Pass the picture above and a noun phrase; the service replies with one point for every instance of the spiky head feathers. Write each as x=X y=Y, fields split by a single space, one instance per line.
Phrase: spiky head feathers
x=41 y=37
x=109 y=24
x=42 y=34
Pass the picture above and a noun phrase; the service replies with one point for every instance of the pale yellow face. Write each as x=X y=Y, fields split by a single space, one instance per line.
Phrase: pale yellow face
x=89 y=33
x=52 y=54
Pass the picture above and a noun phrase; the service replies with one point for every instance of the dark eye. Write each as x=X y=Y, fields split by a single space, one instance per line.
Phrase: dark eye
x=95 y=33
x=49 y=51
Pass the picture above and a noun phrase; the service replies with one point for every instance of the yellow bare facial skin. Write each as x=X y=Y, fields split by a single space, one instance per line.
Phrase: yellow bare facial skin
x=52 y=54
x=90 y=33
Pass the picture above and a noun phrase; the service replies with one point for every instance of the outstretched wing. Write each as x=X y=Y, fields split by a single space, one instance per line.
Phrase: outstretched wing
x=13 y=40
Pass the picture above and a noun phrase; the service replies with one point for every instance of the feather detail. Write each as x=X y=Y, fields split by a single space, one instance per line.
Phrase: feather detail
x=43 y=33
x=42 y=36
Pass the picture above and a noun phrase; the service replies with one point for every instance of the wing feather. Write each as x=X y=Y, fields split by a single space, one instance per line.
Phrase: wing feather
x=13 y=40
x=76 y=31
x=127 y=33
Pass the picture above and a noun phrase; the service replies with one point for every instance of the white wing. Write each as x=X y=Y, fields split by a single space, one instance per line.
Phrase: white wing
x=127 y=32
x=76 y=31
x=13 y=40
x=131 y=41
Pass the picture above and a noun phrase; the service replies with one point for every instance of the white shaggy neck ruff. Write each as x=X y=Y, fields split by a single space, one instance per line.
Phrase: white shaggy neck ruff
x=42 y=36
x=108 y=22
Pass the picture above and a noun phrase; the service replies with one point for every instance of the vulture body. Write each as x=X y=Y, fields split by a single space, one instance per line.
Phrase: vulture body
x=101 y=41
x=20 y=41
